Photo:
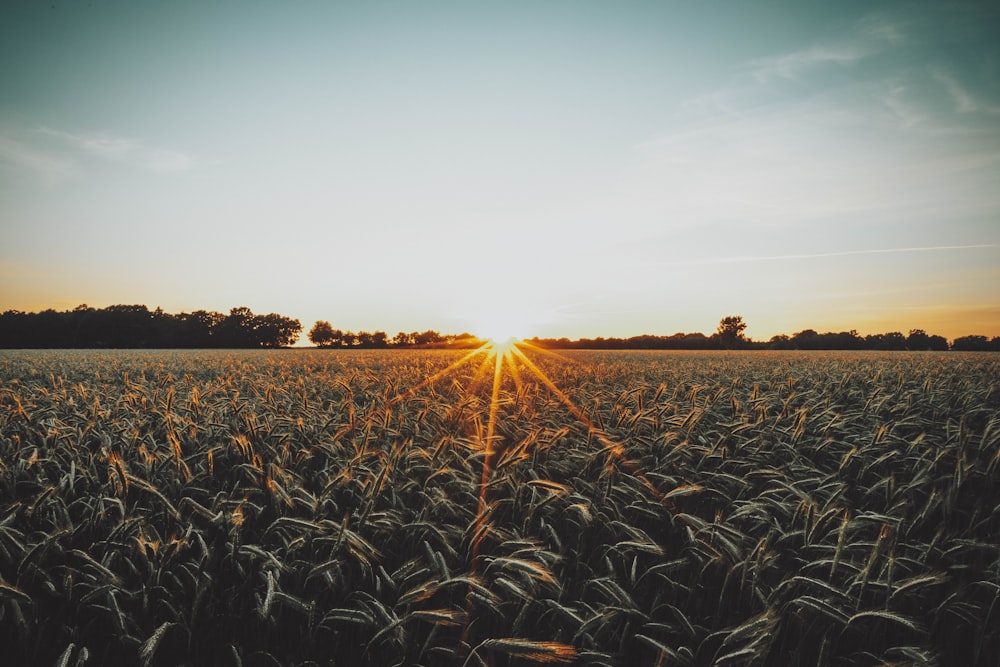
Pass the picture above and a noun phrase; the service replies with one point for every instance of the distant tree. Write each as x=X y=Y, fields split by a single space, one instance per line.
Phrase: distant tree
x=274 y=330
x=135 y=326
x=321 y=334
x=873 y=341
x=844 y=340
x=338 y=339
x=402 y=339
x=893 y=340
x=730 y=331
x=12 y=329
x=807 y=339
x=427 y=337
x=780 y=342
x=242 y=329
x=971 y=344
x=119 y=326
x=938 y=343
x=918 y=340
x=198 y=329
x=236 y=329
x=50 y=329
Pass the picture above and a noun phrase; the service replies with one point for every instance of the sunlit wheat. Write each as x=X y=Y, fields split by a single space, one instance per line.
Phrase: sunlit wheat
x=501 y=506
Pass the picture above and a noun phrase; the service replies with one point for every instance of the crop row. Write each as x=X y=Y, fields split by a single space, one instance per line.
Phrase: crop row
x=324 y=507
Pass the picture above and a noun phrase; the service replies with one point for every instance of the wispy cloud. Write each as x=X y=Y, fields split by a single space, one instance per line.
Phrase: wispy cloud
x=739 y=259
x=869 y=36
x=875 y=124
x=882 y=29
x=790 y=65
x=963 y=99
x=24 y=156
x=121 y=149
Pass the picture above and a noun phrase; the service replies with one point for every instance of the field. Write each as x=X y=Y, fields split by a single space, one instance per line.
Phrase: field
x=309 y=507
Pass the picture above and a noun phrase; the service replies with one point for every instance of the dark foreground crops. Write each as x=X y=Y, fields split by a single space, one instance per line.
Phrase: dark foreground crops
x=307 y=507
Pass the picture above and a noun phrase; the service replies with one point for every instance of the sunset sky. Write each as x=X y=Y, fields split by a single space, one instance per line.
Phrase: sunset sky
x=569 y=169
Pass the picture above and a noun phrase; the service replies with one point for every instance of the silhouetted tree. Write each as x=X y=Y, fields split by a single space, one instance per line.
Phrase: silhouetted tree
x=730 y=331
x=198 y=329
x=780 y=342
x=321 y=334
x=427 y=337
x=918 y=340
x=893 y=340
x=236 y=329
x=972 y=344
x=938 y=343
x=274 y=330
x=807 y=339
x=131 y=326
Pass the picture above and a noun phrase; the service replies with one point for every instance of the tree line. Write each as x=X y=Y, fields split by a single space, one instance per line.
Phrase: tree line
x=729 y=336
x=135 y=326
x=324 y=335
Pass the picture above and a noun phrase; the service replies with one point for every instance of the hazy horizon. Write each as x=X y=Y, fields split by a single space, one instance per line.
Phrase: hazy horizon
x=574 y=169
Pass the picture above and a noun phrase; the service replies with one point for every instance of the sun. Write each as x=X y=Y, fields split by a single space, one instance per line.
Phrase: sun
x=500 y=330
x=506 y=310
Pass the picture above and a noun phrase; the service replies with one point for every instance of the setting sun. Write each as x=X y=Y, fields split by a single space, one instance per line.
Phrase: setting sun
x=503 y=322
x=501 y=331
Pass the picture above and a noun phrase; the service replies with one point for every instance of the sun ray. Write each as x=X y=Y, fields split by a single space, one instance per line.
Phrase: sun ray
x=500 y=357
x=514 y=372
x=484 y=348
x=526 y=344
x=609 y=445
x=481 y=512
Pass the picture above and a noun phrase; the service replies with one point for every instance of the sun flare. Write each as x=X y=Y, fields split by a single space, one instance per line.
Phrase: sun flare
x=501 y=330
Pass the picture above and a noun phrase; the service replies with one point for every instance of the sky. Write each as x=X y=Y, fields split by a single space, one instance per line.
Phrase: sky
x=545 y=168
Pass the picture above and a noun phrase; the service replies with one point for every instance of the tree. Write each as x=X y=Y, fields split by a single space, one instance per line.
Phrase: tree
x=918 y=340
x=236 y=329
x=427 y=337
x=730 y=331
x=971 y=344
x=938 y=343
x=780 y=342
x=241 y=328
x=198 y=329
x=321 y=334
x=893 y=340
x=274 y=330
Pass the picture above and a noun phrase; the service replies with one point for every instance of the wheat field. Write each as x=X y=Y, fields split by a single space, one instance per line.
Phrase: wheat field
x=314 y=507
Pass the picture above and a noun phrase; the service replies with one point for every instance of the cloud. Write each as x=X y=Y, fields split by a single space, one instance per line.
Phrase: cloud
x=880 y=123
x=871 y=35
x=23 y=156
x=964 y=101
x=737 y=259
x=114 y=148
x=790 y=65
x=882 y=29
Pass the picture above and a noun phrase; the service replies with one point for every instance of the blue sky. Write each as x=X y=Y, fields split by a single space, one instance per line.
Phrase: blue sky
x=559 y=168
